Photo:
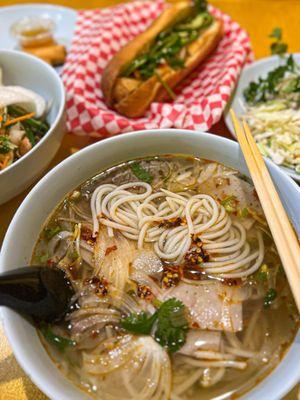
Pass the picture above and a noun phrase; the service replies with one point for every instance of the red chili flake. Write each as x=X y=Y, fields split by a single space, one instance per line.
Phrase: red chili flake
x=171 y=223
x=87 y=235
x=172 y=275
x=50 y=262
x=94 y=334
x=196 y=255
x=99 y=285
x=73 y=272
x=232 y=281
x=144 y=292
x=110 y=249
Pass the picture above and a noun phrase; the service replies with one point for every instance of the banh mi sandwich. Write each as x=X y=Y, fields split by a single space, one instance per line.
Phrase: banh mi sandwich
x=148 y=67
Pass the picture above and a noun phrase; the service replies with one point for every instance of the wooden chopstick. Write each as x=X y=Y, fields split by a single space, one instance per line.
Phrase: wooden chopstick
x=283 y=233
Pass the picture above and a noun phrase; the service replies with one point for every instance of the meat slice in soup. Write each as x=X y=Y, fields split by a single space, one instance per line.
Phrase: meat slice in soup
x=180 y=293
x=210 y=305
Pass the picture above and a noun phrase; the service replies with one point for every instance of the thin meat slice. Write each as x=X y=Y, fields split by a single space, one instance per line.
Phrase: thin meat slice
x=211 y=305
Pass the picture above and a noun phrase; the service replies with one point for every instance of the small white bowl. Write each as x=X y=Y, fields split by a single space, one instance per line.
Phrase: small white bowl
x=30 y=72
x=51 y=189
x=251 y=73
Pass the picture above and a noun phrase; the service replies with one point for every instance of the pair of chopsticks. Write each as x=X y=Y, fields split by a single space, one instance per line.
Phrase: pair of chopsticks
x=283 y=233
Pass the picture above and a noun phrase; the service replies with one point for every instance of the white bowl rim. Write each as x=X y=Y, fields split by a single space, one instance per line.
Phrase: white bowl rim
x=18 y=348
x=249 y=67
x=62 y=99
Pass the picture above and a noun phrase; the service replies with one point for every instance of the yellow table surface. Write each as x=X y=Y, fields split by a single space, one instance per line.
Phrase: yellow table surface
x=258 y=17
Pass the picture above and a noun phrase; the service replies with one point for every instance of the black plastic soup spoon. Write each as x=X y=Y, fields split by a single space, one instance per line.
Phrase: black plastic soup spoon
x=42 y=293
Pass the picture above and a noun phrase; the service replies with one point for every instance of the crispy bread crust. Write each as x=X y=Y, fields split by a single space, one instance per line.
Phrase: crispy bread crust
x=138 y=100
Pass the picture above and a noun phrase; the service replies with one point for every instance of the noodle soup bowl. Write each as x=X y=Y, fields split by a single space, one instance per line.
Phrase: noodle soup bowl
x=44 y=197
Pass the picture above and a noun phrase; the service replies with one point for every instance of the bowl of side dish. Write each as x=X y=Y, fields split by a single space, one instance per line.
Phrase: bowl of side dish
x=32 y=120
x=268 y=97
x=70 y=175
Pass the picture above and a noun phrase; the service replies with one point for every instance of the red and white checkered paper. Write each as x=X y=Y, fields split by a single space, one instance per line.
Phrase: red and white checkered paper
x=201 y=98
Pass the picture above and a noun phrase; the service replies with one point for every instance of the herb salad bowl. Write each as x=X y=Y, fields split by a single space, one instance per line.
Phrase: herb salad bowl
x=249 y=74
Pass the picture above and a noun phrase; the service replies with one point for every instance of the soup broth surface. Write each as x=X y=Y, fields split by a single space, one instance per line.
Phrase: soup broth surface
x=180 y=293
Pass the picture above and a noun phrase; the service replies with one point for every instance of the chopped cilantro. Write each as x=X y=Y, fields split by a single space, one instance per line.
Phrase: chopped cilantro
x=278 y=47
x=172 y=325
x=276 y=33
x=270 y=297
x=168 y=324
x=229 y=203
x=263 y=273
x=141 y=173
x=49 y=233
x=139 y=323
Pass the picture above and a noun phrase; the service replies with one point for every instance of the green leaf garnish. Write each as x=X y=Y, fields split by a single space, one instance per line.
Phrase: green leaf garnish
x=172 y=325
x=263 y=273
x=49 y=233
x=141 y=173
x=200 y=5
x=5 y=145
x=276 y=33
x=266 y=88
x=168 y=324
x=139 y=323
x=270 y=297
x=229 y=203
x=58 y=341
x=278 y=47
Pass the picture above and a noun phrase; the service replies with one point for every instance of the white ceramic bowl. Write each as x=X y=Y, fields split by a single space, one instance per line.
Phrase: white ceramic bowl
x=28 y=220
x=30 y=72
x=251 y=73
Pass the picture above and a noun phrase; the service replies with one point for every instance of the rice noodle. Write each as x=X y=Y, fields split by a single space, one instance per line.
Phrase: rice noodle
x=134 y=367
x=139 y=214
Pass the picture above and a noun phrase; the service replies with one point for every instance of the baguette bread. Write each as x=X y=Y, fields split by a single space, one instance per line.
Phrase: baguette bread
x=132 y=97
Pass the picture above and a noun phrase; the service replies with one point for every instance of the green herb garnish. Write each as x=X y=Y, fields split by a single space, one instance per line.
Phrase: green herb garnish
x=166 y=86
x=58 y=341
x=139 y=323
x=168 y=44
x=44 y=257
x=229 y=203
x=37 y=127
x=278 y=47
x=267 y=88
x=5 y=145
x=141 y=173
x=263 y=273
x=270 y=297
x=243 y=213
x=168 y=324
x=30 y=135
x=172 y=325
x=49 y=233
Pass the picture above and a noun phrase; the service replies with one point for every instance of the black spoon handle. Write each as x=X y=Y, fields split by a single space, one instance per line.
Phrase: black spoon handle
x=42 y=293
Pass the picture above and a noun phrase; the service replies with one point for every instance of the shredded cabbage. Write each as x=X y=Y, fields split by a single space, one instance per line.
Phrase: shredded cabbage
x=276 y=129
